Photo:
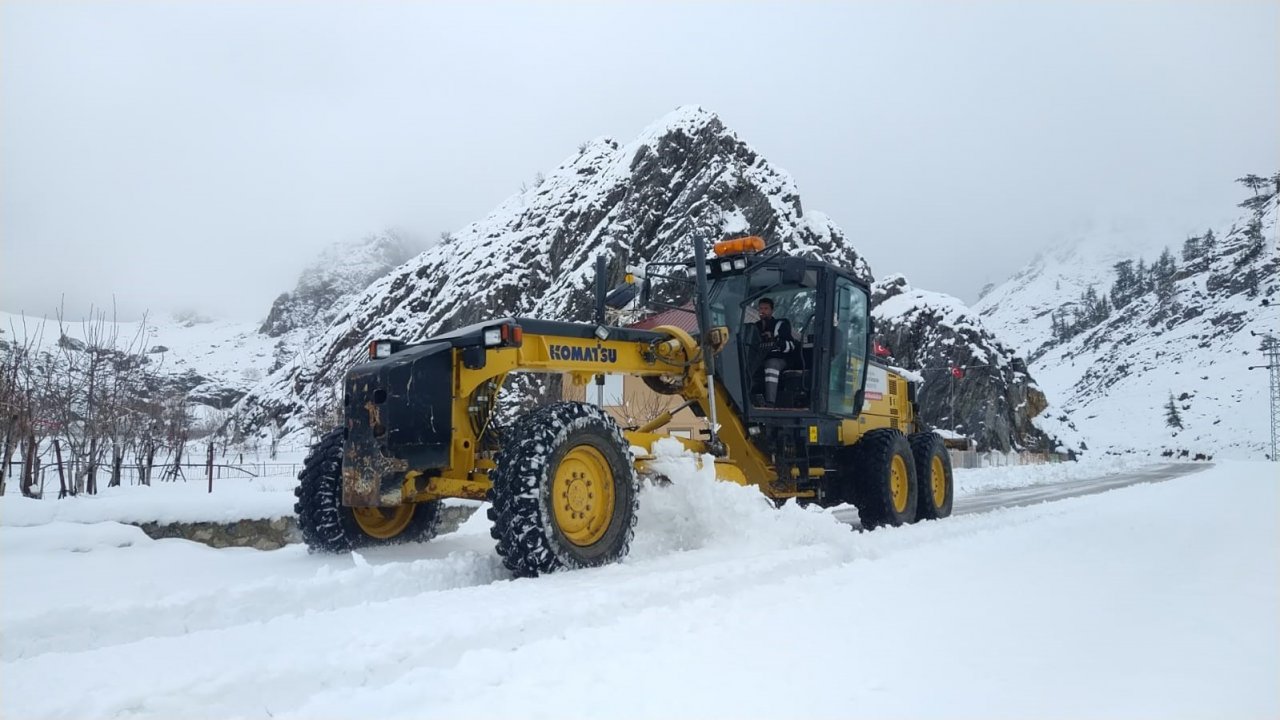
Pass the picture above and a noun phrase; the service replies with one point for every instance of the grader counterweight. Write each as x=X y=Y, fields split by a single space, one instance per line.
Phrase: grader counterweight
x=562 y=479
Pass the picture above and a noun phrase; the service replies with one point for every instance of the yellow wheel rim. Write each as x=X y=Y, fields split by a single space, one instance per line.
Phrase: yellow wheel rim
x=582 y=495
x=383 y=523
x=899 y=484
x=938 y=481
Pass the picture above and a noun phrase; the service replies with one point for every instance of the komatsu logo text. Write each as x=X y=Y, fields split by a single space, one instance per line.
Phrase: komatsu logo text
x=584 y=354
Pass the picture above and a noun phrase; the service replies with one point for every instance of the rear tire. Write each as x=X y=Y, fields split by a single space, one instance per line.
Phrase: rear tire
x=934 y=476
x=565 y=492
x=329 y=526
x=883 y=476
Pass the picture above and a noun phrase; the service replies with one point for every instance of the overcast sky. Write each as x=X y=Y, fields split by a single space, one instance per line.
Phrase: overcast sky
x=196 y=155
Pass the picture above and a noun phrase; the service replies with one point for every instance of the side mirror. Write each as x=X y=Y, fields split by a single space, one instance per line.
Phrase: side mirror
x=644 y=292
x=792 y=270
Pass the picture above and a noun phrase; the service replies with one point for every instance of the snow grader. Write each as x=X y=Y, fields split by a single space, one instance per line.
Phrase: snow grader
x=564 y=479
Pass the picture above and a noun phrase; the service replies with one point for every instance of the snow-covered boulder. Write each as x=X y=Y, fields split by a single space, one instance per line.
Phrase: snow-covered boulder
x=974 y=385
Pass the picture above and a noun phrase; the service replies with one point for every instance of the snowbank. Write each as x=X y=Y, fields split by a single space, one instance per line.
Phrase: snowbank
x=163 y=502
x=977 y=480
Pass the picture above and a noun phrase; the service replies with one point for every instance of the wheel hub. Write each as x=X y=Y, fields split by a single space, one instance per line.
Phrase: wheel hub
x=582 y=493
x=383 y=523
x=898 y=485
x=579 y=496
x=938 y=481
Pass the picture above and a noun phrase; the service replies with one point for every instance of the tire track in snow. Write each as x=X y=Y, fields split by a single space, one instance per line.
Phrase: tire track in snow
x=994 y=499
x=378 y=643
x=77 y=629
x=90 y=628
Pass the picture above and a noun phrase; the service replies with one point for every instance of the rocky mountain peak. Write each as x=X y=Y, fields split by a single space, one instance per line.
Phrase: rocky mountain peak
x=686 y=178
x=337 y=275
x=889 y=286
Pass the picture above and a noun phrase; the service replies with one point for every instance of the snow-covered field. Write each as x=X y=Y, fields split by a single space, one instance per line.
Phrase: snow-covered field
x=1155 y=600
x=232 y=351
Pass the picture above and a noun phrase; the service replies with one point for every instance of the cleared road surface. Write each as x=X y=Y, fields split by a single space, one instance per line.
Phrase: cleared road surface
x=1018 y=497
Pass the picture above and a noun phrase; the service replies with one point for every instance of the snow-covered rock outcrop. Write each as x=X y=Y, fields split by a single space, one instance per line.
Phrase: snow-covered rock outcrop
x=1113 y=339
x=974 y=384
x=686 y=178
x=336 y=277
x=333 y=279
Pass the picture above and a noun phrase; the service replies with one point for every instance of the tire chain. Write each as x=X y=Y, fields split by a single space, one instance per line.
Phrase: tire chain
x=319 y=517
x=523 y=532
x=319 y=507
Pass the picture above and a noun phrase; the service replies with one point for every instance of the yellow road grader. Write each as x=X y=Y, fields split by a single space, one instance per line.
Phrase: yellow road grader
x=563 y=479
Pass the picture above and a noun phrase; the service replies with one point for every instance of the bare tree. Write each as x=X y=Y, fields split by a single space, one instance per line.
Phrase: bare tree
x=275 y=426
x=12 y=408
x=75 y=398
x=39 y=380
x=120 y=419
x=9 y=408
x=148 y=407
x=641 y=407
x=177 y=430
x=323 y=412
x=20 y=389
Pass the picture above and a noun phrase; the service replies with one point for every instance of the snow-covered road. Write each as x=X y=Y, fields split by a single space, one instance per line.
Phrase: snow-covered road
x=1023 y=496
x=1150 y=600
x=995 y=498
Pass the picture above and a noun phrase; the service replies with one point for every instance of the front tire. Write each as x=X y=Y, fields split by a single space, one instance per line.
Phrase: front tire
x=884 y=479
x=329 y=526
x=565 y=492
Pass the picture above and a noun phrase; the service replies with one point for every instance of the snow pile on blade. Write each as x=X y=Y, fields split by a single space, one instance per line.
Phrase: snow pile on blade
x=696 y=511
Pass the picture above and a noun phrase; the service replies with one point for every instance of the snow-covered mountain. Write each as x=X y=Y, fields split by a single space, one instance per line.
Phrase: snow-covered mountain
x=687 y=178
x=337 y=275
x=974 y=385
x=1019 y=311
x=1113 y=339
x=216 y=362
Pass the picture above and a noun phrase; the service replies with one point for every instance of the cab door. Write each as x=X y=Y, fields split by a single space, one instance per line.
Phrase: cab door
x=848 y=348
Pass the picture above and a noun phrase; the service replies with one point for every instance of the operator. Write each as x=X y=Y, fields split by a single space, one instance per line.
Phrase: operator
x=776 y=342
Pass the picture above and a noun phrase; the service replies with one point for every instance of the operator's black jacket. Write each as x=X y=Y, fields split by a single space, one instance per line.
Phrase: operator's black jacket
x=779 y=329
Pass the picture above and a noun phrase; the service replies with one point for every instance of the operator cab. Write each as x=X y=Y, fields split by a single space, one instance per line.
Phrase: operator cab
x=827 y=311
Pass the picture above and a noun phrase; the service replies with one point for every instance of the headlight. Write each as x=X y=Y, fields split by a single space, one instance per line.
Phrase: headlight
x=726 y=265
x=379 y=349
x=493 y=336
x=740 y=264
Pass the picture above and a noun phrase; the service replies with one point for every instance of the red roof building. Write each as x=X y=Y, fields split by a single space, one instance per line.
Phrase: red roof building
x=683 y=318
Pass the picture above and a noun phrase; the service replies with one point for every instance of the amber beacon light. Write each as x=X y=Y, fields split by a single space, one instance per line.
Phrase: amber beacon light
x=752 y=243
